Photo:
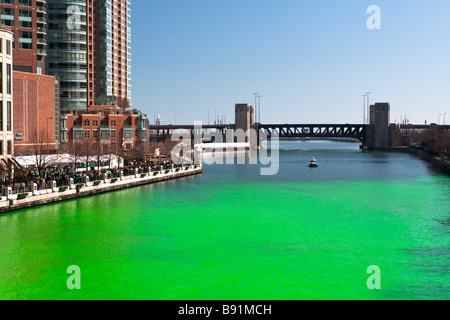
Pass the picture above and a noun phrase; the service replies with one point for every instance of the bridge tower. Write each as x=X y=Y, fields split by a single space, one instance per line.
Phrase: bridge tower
x=378 y=135
x=244 y=118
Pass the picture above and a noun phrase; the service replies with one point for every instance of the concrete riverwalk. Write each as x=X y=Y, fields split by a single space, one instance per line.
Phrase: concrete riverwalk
x=34 y=197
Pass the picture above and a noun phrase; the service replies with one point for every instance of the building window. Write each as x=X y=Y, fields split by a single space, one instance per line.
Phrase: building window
x=1 y=115
x=25 y=40
x=128 y=134
x=113 y=123
x=7 y=16
x=86 y=123
x=22 y=69
x=77 y=134
x=105 y=135
x=94 y=133
x=1 y=76
x=25 y=18
x=8 y=47
x=25 y=3
x=8 y=116
x=113 y=133
x=87 y=134
x=9 y=147
x=8 y=78
x=95 y=123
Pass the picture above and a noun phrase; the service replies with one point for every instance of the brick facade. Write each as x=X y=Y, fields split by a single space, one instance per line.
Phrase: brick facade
x=114 y=128
x=35 y=116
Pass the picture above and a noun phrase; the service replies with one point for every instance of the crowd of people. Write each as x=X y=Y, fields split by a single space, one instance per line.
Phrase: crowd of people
x=23 y=179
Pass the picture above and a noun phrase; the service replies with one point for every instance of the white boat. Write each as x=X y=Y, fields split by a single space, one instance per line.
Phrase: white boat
x=313 y=163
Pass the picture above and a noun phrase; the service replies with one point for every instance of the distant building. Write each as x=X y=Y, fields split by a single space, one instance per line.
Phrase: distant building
x=113 y=128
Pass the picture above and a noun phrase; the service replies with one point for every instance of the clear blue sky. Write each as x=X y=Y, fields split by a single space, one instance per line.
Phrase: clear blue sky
x=310 y=60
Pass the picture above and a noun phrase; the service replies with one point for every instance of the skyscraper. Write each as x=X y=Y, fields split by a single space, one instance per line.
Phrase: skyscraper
x=89 y=48
x=113 y=49
x=68 y=50
x=27 y=20
x=34 y=97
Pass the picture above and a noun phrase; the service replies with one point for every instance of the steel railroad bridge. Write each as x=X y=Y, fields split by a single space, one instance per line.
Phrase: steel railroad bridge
x=379 y=134
x=351 y=131
x=265 y=131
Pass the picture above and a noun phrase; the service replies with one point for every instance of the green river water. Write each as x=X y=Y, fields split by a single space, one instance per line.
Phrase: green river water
x=231 y=233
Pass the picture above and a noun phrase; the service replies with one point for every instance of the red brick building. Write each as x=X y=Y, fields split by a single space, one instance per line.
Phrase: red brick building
x=27 y=19
x=35 y=112
x=112 y=127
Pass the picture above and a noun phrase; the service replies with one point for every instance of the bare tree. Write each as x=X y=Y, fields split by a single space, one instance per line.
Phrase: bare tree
x=433 y=140
x=98 y=152
x=79 y=151
x=123 y=103
x=40 y=148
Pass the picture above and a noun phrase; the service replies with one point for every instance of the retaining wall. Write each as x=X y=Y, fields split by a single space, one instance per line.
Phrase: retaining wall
x=36 y=198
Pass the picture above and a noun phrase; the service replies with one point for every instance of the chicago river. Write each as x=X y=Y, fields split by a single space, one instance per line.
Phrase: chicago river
x=234 y=234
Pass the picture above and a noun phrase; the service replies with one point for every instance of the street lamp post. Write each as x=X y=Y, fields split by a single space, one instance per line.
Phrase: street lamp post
x=368 y=107
x=259 y=108
x=439 y=119
x=48 y=142
x=256 y=106
x=364 y=108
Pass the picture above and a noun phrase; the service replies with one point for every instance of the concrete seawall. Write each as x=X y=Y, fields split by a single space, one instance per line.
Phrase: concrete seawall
x=37 y=198
x=438 y=162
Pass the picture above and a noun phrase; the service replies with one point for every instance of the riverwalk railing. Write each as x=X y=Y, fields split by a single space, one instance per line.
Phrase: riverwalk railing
x=91 y=182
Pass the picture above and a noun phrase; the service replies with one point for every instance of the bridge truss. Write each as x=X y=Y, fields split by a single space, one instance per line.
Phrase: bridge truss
x=353 y=131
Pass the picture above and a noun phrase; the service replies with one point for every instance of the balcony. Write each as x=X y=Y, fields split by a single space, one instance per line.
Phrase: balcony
x=128 y=132
x=105 y=132
x=5 y=28
x=42 y=20
x=78 y=132
x=41 y=52
x=40 y=8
